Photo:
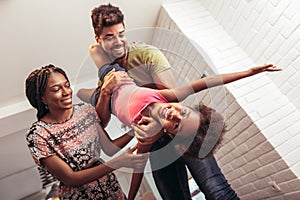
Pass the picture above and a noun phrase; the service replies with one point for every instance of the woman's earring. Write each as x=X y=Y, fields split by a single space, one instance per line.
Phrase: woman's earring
x=164 y=130
x=46 y=107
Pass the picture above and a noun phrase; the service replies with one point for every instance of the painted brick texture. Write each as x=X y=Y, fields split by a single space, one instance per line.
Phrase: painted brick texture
x=261 y=146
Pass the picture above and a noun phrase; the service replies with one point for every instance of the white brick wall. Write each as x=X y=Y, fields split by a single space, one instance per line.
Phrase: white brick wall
x=268 y=31
x=262 y=112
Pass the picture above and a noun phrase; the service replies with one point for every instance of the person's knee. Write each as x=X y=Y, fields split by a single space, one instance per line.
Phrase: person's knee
x=85 y=94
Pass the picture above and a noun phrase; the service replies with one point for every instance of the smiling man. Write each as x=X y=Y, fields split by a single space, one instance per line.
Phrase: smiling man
x=147 y=66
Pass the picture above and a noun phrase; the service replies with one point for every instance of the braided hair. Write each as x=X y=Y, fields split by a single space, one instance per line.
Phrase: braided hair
x=105 y=16
x=36 y=84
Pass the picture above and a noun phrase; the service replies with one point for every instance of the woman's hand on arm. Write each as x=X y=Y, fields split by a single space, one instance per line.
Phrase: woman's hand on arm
x=64 y=173
x=130 y=160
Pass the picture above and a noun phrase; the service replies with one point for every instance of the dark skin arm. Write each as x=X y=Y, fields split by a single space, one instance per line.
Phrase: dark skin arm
x=137 y=175
x=102 y=107
x=112 y=80
x=180 y=93
x=60 y=169
x=146 y=130
x=111 y=147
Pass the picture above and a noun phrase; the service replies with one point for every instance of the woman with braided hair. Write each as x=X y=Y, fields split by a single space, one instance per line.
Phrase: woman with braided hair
x=67 y=140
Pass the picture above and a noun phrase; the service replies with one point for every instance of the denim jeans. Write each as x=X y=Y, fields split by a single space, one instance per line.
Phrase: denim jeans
x=172 y=181
x=209 y=178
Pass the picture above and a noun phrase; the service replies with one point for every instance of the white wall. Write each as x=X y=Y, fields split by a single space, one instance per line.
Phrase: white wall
x=35 y=33
x=261 y=148
x=268 y=31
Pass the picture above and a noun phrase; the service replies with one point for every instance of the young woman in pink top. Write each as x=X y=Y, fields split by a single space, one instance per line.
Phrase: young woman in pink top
x=133 y=104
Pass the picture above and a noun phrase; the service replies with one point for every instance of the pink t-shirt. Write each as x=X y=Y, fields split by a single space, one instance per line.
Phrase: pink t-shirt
x=130 y=100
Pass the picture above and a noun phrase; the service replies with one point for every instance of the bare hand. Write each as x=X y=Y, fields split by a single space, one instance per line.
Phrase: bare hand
x=147 y=131
x=264 y=68
x=130 y=160
x=115 y=79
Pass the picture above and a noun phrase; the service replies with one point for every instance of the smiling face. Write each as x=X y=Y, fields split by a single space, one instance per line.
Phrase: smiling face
x=58 y=93
x=176 y=118
x=113 y=41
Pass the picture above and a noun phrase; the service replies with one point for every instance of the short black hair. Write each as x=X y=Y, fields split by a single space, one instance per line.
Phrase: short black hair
x=105 y=16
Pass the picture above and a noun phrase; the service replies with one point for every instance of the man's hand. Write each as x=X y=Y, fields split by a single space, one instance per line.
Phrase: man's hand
x=148 y=130
x=115 y=79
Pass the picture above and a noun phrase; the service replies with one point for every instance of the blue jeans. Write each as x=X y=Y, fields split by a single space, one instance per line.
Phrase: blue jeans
x=209 y=178
x=172 y=181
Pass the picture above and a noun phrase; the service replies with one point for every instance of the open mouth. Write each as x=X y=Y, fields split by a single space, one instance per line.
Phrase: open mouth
x=164 y=112
x=119 y=49
x=68 y=100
